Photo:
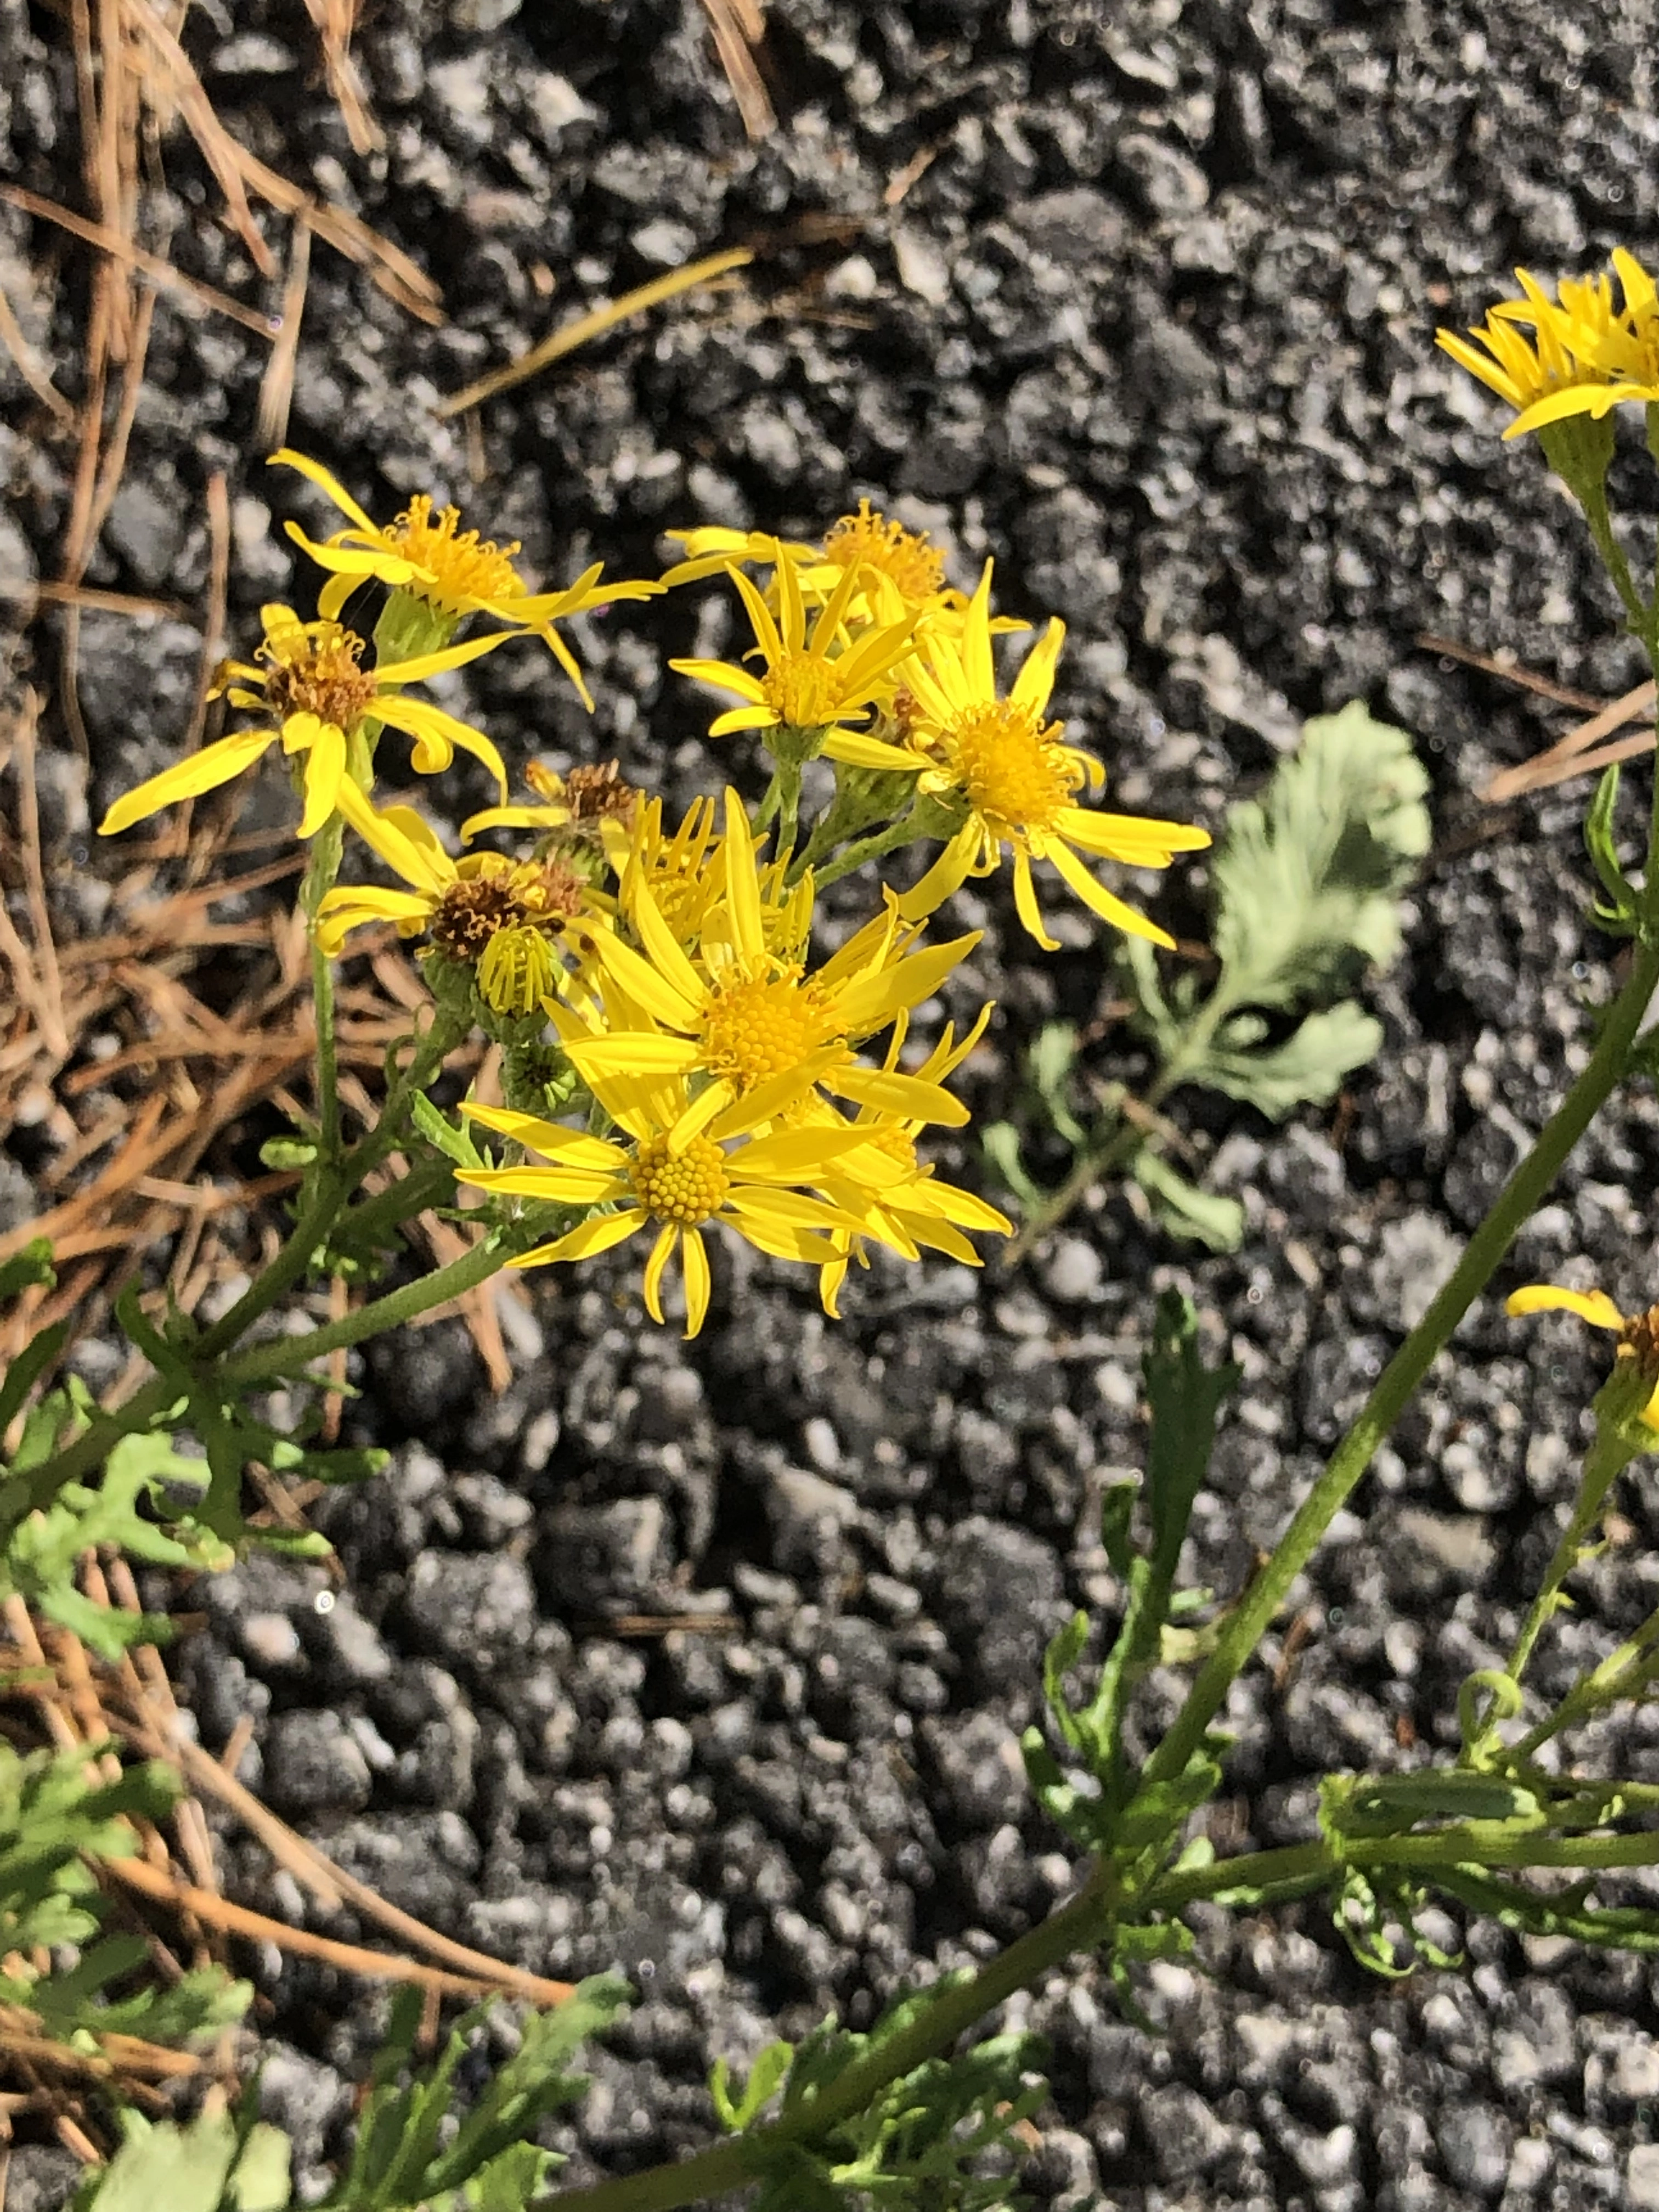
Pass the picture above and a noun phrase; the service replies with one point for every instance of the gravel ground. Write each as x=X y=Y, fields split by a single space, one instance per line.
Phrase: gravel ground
x=1152 y=326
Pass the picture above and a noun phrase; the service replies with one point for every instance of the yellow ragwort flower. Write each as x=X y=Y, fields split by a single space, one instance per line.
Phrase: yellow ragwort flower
x=1586 y=357
x=743 y=1023
x=592 y=804
x=1638 y=1334
x=314 y=691
x=1005 y=771
x=500 y=916
x=914 y=1208
x=868 y=542
x=810 y=683
x=749 y=1184
x=428 y=555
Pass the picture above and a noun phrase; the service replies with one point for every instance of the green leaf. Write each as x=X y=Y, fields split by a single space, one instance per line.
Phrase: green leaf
x=453 y=1139
x=1117 y=1507
x=765 y=2078
x=1308 y=1069
x=1001 y=1142
x=1049 y=1062
x=1618 y=916
x=1205 y=1217
x=1308 y=876
x=31 y=1363
x=28 y=1270
x=1186 y=1398
x=285 y=1155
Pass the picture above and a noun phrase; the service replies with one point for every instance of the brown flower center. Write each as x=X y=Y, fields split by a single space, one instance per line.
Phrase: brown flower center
x=318 y=676
x=598 y=793
x=471 y=913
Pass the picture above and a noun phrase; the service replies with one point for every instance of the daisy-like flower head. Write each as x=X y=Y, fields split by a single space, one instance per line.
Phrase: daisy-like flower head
x=741 y=1024
x=426 y=553
x=1005 y=772
x=1586 y=356
x=503 y=917
x=594 y=805
x=913 y=1208
x=1638 y=1334
x=811 y=684
x=315 y=692
x=868 y=542
x=724 y=1173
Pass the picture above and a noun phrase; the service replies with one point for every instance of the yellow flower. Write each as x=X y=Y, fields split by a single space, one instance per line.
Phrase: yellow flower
x=748 y=1023
x=906 y=570
x=998 y=765
x=1587 y=357
x=316 y=692
x=914 y=1208
x=1638 y=1334
x=456 y=573
x=498 y=915
x=810 y=683
x=590 y=804
x=725 y=1174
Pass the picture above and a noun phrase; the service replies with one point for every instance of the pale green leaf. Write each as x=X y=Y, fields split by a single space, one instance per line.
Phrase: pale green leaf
x=1308 y=1069
x=1204 y=1216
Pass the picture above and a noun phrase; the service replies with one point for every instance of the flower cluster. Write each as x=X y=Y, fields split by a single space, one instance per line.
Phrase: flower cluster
x=677 y=1051
x=1585 y=355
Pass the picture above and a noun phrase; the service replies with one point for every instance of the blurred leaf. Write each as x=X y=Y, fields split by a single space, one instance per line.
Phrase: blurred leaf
x=1001 y=1142
x=29 y=1269
x=418 y=2144
x=1308 y=876
x=1202 y=1216
x=1308 y=1069
x=765 y=2078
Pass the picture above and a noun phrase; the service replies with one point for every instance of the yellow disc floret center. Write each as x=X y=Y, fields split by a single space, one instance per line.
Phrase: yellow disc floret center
x=869 y=540
x=757 y=1027
x=685 y=1187
x=317 y=672
x=1011 y=767
x=462 y=570
x=800 y=690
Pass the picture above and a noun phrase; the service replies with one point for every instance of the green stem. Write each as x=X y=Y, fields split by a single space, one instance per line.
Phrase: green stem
x=1116 y=1139
x=732 y=2164
x=1622 y=1673
x=1244 y=1626
x=1594 y=499
x=1605 y=1459
x=291 y=1355
x=866 y=848
x=321 y=869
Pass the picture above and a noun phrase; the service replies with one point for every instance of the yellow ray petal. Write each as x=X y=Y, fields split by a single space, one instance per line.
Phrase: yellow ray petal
x=634 y=1052
x=694 y=1267
x=1593 y=1306
x=660 y=984
x=556 y=1186
x=1036 y=680
x=948 y=874
x=906 y=1095
x=661 y=1253
x=1096 y=897
x=325 y=772
x=597 y=1234
x=327 y=483
x=188 y=779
